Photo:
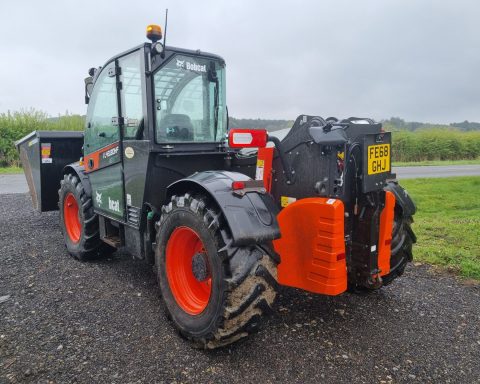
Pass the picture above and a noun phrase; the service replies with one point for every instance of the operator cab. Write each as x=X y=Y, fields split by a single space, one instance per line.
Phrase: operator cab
x=147 y=107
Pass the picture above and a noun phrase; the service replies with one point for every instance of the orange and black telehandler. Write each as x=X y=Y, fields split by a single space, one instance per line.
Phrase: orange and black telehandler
x=224 y=215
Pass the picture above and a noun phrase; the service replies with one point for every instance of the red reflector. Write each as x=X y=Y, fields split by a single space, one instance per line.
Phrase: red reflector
x=341 y=256
x=238 y=185
x=388 y=241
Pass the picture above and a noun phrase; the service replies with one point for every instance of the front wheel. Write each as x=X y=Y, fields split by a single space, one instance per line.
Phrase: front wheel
x=214 y=293
x=78 y=221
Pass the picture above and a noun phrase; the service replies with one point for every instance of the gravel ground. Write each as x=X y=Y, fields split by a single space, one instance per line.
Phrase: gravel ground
x=63 y=321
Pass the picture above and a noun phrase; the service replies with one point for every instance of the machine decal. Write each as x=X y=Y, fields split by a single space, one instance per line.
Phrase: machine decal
x=285 y=201
x=46 y=150
x=129 y=199
x=103 y=157
x=98 y=198
x=191 y=66
x=260 y=168
x=110 y=153
x=113 y=205
x=129 y=152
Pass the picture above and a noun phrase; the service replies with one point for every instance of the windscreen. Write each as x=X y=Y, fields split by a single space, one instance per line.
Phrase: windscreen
x=190 y=100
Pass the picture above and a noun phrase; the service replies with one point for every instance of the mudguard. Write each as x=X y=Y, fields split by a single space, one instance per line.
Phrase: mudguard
x=251 y=218
x=402 y=198
x=79 y=170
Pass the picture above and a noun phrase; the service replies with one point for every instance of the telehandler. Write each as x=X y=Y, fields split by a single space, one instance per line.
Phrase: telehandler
x=224 y=215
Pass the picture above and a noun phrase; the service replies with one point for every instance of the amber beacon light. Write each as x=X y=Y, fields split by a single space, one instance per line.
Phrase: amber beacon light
x=154 y=32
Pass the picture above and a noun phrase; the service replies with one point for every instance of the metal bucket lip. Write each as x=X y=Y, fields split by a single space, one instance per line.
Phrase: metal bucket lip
x=49 y=135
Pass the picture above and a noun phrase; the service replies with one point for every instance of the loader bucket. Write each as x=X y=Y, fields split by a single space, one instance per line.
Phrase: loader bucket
x=44 y=154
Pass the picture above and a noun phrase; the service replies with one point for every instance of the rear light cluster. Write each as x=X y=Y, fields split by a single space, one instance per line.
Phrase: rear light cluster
x=246 y=138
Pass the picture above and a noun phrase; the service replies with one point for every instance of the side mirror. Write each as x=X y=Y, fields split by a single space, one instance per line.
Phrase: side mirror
x=247 y=138
x=88 y=88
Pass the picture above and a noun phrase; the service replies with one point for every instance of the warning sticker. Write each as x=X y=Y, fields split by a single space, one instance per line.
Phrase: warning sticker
x=46 y=152
x=260 y=167
x=285 y=201
x=331 y=201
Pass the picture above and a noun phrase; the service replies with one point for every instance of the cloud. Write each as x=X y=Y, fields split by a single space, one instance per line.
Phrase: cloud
x=379 y=58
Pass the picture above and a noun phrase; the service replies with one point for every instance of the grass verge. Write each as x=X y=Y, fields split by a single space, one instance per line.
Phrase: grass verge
x=447 y=223
x=435 y=162
x=10 y=170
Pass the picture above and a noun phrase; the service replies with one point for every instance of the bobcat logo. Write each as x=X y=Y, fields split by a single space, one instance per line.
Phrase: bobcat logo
x=98 y=198
x=180 y=63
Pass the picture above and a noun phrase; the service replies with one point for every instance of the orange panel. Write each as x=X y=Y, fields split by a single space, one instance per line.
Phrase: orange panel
x=385 y=233
x=95 y=156
x=264 y=167
x=312 y=246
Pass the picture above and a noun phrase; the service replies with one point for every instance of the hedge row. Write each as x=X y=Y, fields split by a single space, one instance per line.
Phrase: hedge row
x=426 y=144
x=15 y=125
x=435 y=144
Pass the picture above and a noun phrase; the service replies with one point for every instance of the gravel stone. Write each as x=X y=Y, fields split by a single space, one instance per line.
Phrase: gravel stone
x=108 y=316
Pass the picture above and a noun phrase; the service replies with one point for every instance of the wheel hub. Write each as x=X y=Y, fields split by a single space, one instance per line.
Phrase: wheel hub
x=200 y=267
x=188 y=270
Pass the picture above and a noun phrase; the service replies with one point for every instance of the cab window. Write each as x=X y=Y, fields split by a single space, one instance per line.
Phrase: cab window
x=100 y=131
x=132 y=95
x=190 y=100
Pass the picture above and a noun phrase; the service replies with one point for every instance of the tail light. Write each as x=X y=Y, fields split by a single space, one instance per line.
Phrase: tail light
x=245 y=138
x=236 y=185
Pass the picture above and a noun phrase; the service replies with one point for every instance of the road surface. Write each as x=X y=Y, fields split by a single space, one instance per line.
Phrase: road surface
x=63 y=321
x=437 y=171
x=18 y=184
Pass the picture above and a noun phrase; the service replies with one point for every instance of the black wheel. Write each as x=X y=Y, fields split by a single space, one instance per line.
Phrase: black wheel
x=78 y=221
x=403 y=239
x=214 y=293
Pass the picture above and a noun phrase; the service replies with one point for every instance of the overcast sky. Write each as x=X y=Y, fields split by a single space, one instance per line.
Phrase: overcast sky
x=417 y=59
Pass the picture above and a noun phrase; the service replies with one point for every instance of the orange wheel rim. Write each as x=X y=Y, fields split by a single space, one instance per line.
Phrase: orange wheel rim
x=190 y=294
x=70 y=217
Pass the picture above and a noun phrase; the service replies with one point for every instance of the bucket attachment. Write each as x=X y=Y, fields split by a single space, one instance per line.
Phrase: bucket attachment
x=312 y=246
x=44 y=154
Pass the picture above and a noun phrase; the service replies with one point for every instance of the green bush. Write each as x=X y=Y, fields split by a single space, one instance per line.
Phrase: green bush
x=435 y=144
x=15 y=125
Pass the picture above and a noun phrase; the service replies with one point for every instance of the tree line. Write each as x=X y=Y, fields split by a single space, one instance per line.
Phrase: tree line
x=411 y=141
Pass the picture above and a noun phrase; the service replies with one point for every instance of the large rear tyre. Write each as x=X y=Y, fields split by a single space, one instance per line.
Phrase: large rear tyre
x=78 y=221
x=214 y=293
x=403 y=239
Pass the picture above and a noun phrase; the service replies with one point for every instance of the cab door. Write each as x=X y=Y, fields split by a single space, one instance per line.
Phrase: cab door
x=135 y=143
x=102 y=149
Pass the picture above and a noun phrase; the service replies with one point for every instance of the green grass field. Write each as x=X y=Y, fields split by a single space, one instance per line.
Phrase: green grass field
x=435 y=162
x=10 y=170
x=447 y=223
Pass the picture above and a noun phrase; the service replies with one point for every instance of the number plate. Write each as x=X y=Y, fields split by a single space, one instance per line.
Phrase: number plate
x=378 y=158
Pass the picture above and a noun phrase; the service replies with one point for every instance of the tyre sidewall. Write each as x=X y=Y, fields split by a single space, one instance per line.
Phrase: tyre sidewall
x=206 y=322
x=75 y=249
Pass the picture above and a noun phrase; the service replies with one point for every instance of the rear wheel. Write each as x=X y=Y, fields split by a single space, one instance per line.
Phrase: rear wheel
x=78 y=221
x=215 y=293
x=403 y=239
